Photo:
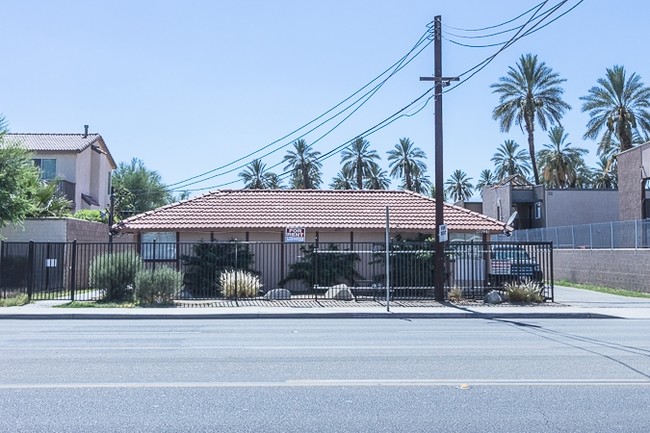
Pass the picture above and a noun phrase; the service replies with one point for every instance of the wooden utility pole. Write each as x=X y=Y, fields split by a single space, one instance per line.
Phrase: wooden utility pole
x=440 y=81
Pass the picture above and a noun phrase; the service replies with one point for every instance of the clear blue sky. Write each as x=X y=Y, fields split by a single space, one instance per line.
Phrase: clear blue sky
x=188 y=86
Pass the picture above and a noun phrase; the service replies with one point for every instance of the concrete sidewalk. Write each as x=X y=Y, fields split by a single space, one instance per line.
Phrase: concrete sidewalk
x=569 y=303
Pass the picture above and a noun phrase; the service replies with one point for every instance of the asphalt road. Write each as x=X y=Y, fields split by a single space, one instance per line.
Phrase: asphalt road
x=328 y=375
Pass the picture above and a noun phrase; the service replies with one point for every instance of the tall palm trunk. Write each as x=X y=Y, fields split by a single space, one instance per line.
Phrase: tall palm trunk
x=530 y=129
x=359 y=173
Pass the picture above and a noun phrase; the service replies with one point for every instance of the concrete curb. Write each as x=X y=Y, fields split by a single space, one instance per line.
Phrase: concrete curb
x=304 y=315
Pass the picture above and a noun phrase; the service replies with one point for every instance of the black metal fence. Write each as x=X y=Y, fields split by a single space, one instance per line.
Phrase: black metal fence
x=88 y=271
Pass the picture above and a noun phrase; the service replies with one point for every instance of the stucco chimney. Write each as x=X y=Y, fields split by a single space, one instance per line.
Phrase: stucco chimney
x=85 y=131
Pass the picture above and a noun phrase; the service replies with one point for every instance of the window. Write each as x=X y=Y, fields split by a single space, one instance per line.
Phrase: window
x=47 y=167
x=538 y=210
x=165 y=243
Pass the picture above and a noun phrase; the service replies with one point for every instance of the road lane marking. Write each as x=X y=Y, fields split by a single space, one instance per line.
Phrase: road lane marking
x=464 y=384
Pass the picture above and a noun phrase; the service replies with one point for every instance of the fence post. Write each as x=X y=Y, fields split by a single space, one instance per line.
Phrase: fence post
x=236 y=272
x=153 y=255
x=387 y=264
x=73 y=270
x=573 y=237
x=30 y=275
x=611 y=235
x=316 y=279
x=591 y=237
x=3 y=294
x=636 y=234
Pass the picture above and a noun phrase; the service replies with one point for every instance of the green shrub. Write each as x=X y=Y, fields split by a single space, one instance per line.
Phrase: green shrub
x=524 y=291
x=94 y=215
x=14 y=301
x=158 y=286
x=202 y=269
x=325 y=266
x=114 y=274
x=239 y=284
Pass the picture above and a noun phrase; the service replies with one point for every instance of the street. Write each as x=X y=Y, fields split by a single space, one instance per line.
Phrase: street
x=325 y=375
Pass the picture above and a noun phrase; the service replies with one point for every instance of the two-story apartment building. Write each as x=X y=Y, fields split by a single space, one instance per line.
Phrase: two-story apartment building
x=82 y=162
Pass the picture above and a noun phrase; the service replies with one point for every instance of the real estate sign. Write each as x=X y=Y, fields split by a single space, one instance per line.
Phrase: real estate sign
x=294 y=234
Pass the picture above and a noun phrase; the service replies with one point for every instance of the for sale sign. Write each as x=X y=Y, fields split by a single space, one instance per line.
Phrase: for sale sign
x=294 y=234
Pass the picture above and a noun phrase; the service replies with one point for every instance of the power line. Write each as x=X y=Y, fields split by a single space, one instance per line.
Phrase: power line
x=364 y=99
x=396 y=67
x=537 y=18
x=368 y=132
x=480 y=66
x=496 y=25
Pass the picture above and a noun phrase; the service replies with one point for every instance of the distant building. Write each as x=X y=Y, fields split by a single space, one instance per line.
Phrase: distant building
x=538 y=207
x=82 y=162
x=634 y=183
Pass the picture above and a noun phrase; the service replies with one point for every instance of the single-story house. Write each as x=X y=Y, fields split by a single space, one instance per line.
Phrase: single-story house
x=283 y=226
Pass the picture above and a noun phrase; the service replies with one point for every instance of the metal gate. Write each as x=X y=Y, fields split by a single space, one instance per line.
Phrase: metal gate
x=40 y=268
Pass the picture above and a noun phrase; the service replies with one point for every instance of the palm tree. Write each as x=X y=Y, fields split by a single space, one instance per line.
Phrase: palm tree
x=421 y=182
x=459 y=187
x=343 y=180
x=405 y=160
x=486 y=178
x=510 y=160
x=48 y=201
x=618 y=105
x=359 y=158
x=559 y=161
x=604 y=175
x=304 y=164
x=255 y=176
x=377 y=178
x=529 y=94
x=273 y=181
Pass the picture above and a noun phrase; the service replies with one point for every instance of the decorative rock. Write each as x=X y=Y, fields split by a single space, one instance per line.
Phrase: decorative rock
x=340 y=292
x=493 y=297
x=277 y=294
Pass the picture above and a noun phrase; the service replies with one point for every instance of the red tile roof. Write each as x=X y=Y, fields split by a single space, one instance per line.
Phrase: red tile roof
x=49 y=142
x=315 y=209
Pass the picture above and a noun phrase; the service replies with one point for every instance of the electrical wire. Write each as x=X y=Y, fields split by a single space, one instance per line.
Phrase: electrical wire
x=368 y=132
x=496 y=25
x=398 y=65
x=367 y=97
x=480 y=66
x=535 y=18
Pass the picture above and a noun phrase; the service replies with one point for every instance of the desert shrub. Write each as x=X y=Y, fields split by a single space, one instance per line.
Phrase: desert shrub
x=158 y=286
x=239 y=284
x=455 y=294
x=524 y=291
x=114 y=274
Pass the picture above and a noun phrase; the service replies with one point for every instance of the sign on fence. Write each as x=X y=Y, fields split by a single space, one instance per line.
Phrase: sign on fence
x=294 y=234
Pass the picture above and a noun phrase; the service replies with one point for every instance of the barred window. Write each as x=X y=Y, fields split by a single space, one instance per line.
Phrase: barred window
x=165 y=243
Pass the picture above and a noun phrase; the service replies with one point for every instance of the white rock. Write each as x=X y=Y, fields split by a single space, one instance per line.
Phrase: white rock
x=493 y=297
x=340 y=292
